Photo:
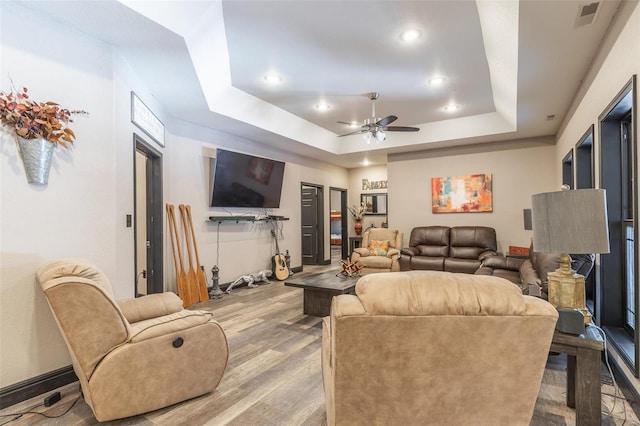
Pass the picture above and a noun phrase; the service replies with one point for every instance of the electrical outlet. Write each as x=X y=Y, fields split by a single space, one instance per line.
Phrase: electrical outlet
x=144 y=273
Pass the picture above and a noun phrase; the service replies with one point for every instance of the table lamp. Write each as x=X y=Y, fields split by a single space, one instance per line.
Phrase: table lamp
x=570 y=221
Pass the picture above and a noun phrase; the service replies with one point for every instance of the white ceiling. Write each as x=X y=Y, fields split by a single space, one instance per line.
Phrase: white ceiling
x=508 y=64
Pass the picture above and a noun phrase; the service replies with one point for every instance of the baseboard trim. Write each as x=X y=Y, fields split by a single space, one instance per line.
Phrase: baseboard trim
x=27 y=389
x=629 y=392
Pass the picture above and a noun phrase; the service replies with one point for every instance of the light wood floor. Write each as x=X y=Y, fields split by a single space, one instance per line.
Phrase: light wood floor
x=274 y=376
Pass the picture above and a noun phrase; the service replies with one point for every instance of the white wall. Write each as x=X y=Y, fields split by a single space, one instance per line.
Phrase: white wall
x=613 y=67
x=517 y=174
x=74 y=214
x=244 y=247
x=81 y=212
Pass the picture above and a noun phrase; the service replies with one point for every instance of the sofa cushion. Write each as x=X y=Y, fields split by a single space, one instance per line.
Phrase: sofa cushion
x=438 y=293
x=431 y=240
x=465 y=266
x=427 y=263
x=378 y=248
x=468 y=242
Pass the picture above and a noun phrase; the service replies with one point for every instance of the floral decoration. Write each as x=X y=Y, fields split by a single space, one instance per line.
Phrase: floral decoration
x=36 y=120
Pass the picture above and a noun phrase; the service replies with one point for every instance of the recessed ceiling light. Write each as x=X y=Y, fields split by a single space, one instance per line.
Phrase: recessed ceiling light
x=322 y=107
x=436 y=81
x=365 y=162
x=451 y=108
x=273 y=78
x=354 y=125
x=410 y=35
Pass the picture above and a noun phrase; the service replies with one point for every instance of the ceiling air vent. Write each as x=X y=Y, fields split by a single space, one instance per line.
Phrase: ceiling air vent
x=587 y=14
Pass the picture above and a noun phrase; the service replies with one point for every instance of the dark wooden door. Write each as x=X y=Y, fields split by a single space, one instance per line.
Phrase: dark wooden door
x=310 y=232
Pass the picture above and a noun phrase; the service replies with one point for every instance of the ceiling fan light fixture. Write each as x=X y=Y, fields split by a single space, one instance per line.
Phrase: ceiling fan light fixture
x=367 y=137
x=379 y=135
x=410 y=35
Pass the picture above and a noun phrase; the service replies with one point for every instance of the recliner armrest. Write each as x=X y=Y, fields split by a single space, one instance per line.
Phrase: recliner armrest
x=362 y=251
x=486 y=254
x=168 y=324
x=150 y=306
x=410 y=251
x=501 y=262
x=393 y=252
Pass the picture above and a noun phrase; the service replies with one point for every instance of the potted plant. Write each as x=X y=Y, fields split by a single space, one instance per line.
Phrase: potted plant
x=39 y=127
x=358 y=213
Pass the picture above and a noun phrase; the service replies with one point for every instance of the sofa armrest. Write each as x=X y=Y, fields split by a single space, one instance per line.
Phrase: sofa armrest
x=393 y=252
x=529 y=276
x=362 y=251
x=501 y=262
x=410 y=251
x=168 y=324
x=150 y=306
x=485 y=254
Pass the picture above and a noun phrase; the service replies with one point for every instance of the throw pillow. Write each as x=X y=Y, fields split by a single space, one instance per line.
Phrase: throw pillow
x=378 y=248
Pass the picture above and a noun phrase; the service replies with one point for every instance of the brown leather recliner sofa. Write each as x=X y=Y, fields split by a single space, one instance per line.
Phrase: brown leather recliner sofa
x=530 y=274
x=451 y=249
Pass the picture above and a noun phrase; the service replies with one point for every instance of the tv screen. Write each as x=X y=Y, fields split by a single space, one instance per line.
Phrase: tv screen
x=242 y=180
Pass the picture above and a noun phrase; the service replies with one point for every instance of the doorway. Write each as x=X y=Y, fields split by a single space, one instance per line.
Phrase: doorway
x=147 y=224
x=338 y=225
x=312 y=223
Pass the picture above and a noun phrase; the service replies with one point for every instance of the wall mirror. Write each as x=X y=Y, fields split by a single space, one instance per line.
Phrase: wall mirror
x=374 y=203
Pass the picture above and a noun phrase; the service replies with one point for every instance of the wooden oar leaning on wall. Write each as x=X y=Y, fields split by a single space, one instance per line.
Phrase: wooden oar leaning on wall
x=192 y=281
x=201 y=279
x=181 y=276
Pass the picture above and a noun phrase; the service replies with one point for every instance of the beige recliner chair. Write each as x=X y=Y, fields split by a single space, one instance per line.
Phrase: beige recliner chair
x=434 y=348
x=135 y=355
x=379 y=251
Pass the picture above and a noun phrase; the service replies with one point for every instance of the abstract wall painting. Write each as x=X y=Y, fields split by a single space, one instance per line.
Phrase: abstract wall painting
x=462 y=194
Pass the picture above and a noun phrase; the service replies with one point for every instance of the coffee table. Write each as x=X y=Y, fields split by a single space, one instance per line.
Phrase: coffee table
x=319 y=289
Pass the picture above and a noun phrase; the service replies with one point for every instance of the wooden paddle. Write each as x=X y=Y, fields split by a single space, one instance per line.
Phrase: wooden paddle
x=192 y=281
x=201 y=279
x=181 y=283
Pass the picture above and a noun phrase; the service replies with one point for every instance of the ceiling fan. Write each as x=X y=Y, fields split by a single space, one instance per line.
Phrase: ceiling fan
x=376 y=128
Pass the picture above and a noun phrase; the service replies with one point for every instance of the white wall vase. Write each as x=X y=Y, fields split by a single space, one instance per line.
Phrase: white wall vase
x=36 y=156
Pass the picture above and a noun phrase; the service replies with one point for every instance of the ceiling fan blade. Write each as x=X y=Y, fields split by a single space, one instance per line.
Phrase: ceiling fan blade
x=401 y=129
x=347 y=123
x=354 y=133
x=386 y=120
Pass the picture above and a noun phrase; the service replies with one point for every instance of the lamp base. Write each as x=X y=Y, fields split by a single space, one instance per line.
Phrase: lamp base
x=566 y=288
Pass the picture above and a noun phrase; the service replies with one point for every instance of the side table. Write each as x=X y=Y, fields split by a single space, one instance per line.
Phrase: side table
x=354 y=242
x=583 y=372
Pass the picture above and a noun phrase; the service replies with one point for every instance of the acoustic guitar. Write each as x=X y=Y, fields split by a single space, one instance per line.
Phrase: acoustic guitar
x=278 y=263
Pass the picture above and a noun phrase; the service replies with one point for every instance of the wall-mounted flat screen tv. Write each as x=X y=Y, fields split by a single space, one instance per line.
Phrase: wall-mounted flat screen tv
x=241 y=180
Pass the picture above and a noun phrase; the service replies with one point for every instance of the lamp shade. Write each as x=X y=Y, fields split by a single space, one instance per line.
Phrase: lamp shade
x=572 y=221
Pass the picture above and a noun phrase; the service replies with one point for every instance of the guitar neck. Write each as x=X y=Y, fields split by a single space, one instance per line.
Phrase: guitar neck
x=275 y=236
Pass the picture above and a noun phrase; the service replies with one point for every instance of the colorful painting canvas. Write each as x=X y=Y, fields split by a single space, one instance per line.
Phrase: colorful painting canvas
x=462 y=194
